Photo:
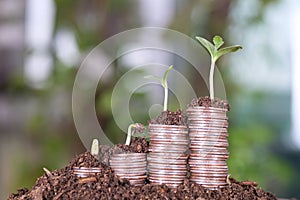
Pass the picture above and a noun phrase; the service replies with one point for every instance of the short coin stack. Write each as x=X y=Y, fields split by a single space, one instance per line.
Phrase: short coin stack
x=208 y=146
x=132 y=166
x=167 y=158
x=83 y=172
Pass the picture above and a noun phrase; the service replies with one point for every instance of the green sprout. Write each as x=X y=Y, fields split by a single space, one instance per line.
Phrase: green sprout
x=215 y=53
x=132 y=129
x=164 y=83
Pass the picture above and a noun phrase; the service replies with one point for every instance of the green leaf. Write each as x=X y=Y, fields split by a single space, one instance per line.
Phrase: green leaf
x=218 y=41
x=226 y=50
x=207 y=45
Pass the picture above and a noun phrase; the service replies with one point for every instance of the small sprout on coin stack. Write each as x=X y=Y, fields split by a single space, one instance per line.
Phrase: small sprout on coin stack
x=133 y=129
x=95 y=148
x=215 y=53
x=164 y=83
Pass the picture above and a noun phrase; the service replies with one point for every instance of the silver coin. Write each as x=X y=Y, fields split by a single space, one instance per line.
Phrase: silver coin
x=208 y=139
x=132 y=171
x=167 y=156
x=180 y=140
x=166 y=179
x=166 y=140
x=168 y=175
x=174 y=172
x=203 y=140
x=207 y=156
x=171 y=127
x=196 y=127
x=199 y=110
x=132 y=176
x=166 y=167
x=87 y=169
x=206 y=148
x=213 y=167
x=167 y=163
x=209 y=175
x=159 y=149
x=128 y=164
x=202 y=121
x=133 y=160
x=209 y=183
x=197 y=159
x=206 y=108
x=206 y=173
x=207 y=164
x=207 y=134
x=208 y=116
x=130 y=154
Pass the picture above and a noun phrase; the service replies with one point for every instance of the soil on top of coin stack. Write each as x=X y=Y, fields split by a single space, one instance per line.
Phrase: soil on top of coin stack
x=137 y=145
x=63 y=184
x=208 y=102
x=170 y=118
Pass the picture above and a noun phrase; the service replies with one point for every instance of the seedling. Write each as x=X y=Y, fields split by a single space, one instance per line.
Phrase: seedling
x=132 y=129
x=215 y=53
x=47 y=171
x=164 y=83
x=95 y=148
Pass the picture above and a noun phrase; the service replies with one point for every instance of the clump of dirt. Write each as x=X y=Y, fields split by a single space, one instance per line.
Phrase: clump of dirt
x=170 y=118
x=208 y=102
x=84 y=160
x=63 y=184
x=137 y=145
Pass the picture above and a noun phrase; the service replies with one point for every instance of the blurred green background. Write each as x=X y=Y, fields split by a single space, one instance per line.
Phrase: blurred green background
x=42 y=44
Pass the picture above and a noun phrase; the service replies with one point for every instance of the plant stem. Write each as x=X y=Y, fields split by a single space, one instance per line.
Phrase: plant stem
x=166 y=97
x=211 y=79
x=129 y=134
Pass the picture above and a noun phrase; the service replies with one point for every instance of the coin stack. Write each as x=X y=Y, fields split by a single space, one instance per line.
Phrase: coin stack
x=208 y=146
x=132 y=166
x=167 y=158
x=83 y=172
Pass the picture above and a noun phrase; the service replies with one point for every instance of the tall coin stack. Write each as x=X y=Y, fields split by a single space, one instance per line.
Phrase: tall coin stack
x=132 y=166
x=208 y=146
x=167 y=158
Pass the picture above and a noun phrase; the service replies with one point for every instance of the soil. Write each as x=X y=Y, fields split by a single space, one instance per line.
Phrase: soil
x=137 y=145
x=170 y=118
x=63 y=184
x=208 y=102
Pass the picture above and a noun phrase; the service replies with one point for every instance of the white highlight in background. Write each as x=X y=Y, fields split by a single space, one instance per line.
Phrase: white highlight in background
x=39 y=24
x=295 y=64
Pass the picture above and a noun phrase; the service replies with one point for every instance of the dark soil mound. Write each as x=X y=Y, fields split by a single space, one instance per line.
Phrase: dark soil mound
x=170 y=118
x=63 y=184
x=207 y=102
